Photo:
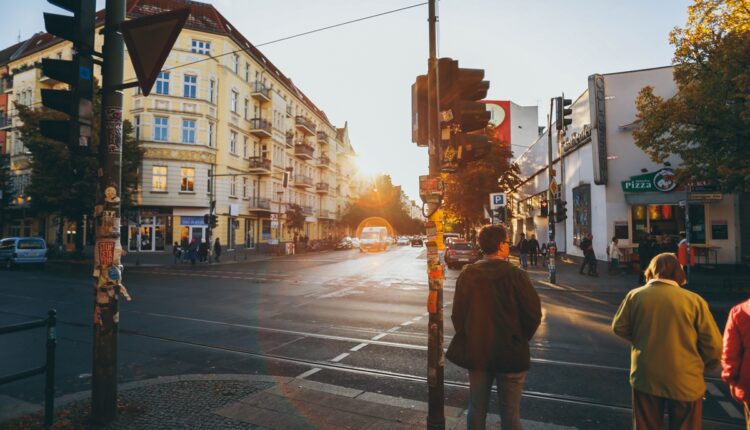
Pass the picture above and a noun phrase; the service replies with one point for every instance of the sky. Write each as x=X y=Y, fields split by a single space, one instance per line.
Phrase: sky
x=362 y=73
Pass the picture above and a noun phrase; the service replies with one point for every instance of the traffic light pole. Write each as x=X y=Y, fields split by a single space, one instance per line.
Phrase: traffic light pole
x=107 y=267
x=435 y=359
x=551 y=246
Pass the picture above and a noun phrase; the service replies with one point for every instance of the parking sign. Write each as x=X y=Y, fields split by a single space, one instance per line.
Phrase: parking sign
x=497 y=200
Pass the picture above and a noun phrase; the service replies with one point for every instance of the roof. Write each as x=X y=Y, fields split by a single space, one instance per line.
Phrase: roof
x=203 y=17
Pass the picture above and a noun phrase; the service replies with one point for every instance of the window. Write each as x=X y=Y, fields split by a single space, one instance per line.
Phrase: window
x=159 y=178
x=244 y=188
x=161 y=128
x=244 y=146
x=212 y=91
x=247 y=72
x=162 y=83
x=187 y=178
x=200 y=47
x=137 y=121
x=233 y=101
x=211 y=134
x=188 y=131
x=233 y=186
x=235 y=63
x=190 y=86
x=247 y=107
x=233 y=142
x=208 y=180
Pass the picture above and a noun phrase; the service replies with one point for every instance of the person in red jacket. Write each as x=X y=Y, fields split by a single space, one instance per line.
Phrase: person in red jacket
x=735 y=357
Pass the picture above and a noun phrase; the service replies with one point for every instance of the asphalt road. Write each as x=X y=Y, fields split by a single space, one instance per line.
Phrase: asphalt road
x=345 y=318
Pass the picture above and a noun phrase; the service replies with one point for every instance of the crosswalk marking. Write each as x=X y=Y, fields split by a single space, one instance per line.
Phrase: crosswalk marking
x=730 y=409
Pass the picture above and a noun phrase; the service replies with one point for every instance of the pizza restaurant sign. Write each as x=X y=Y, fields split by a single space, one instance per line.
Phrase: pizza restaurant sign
x=662 y=180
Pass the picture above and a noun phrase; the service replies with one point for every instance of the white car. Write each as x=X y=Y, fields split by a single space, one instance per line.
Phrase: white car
x=403 y=241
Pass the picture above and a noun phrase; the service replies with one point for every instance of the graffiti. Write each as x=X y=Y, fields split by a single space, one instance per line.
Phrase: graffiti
x=114 y=127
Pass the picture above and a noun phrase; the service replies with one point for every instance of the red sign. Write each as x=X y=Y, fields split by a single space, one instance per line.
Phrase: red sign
x=105 y=250
x=500 y=119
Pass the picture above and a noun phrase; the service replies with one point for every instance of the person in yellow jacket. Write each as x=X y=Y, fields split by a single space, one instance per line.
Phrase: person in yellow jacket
x=674 y=339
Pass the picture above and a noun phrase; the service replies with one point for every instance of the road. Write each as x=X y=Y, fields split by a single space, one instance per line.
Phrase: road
x=344 y=318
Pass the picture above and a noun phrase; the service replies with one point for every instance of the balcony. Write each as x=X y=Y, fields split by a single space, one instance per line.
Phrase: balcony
x=6 y=122
x=322 y=188
x=260 y=92
x=260 y=165
x=304 y=125
x=303 y=151
x=290 y=139
x=326 y=214
x=260 y=204
x=307 y=210
x=302 y=181
x=261 y=127
x=323 y=138
x=324 y=162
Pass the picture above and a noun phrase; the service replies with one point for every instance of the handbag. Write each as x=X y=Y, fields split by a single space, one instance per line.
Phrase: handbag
x=458 y=351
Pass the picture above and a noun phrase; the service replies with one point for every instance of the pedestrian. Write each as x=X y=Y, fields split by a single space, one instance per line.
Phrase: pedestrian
x=674 y=339
x=523 y=251
x=614 y=254
x=176 y=252
x=682 y=252
x=667 y=244
x=735 y=357
x=217 y=249
x=589 y=257
x=203 y=251
x=533 y=249
x=543 y=251
x=492 y=336
x=193 y=250
x=646 y=251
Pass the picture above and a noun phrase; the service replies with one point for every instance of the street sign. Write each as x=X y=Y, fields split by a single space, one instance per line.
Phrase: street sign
x=553 y=186
x=497 y=200
x=149 y=40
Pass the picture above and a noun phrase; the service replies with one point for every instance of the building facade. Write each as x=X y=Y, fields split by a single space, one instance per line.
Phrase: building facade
x=613 y=189
x=221 y=126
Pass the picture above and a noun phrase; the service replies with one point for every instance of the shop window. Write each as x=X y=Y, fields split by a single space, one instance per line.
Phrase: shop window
x=639 y=224
x=266 y=230
x=697 y=224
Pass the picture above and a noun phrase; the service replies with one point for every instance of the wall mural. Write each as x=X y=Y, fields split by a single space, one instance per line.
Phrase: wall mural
x=581 y=212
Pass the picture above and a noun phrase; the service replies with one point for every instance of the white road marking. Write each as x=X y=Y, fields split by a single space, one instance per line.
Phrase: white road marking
x=730 y=409
x=312 y=371
x=713 y=390
x=407 y=323
x=380 y=336
x=416 y=319
x=391 y=330
x=340 y=357
x=337 y=293
x=358 y=347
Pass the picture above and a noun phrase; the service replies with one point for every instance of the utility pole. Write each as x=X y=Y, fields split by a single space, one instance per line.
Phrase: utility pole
x=551 y=246
x=435 y=359
x=107 y=270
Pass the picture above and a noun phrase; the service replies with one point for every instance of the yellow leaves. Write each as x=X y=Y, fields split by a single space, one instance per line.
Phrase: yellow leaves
x=708 y=21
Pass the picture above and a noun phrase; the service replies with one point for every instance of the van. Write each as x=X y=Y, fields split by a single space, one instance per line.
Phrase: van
x=15 y=251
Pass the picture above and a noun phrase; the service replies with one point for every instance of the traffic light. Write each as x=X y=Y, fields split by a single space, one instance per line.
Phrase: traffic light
x=213 y=221
x=205 y=219
x=462 y=113
x=563 y=112
x=561 y=211
x=544 y=210
x=77 y=102
x=419 y=132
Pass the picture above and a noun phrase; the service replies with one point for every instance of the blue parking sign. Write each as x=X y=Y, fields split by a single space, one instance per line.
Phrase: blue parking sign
x=497 y=200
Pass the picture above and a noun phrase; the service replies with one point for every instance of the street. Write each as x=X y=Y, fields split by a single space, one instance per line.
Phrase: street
x=344 y=318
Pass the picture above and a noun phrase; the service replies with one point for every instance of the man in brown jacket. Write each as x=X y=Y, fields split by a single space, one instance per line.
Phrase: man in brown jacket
x=496 y=311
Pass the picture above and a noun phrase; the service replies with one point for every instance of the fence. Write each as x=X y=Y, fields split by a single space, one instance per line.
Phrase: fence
x=49 y=367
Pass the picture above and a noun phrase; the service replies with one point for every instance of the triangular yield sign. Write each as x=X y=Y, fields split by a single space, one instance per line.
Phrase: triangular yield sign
x=149 y=40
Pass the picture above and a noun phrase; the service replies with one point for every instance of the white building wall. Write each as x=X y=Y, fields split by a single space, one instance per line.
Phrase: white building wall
x=524 y=126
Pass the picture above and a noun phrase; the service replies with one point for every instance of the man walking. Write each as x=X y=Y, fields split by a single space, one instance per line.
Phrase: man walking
x=589 y=258
x=496 y=311
x=217 y=249
x=523 y=250
x=533 y=249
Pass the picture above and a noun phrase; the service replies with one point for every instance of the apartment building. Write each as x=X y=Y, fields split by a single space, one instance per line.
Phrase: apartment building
x=222 y=124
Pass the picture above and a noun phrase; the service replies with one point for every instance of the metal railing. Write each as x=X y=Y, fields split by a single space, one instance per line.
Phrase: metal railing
x=301 y=121
x=49 y=366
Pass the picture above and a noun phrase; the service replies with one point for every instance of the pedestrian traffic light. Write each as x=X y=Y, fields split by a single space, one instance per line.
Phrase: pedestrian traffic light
x=419 y=127
x=544 y=210
x=214 y=221
x=563 y=113
x=78 y=74
x=462 y=112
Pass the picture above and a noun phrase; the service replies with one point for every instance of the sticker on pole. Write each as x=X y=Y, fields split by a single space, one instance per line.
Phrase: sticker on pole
x=105 y=252
x=497 y=200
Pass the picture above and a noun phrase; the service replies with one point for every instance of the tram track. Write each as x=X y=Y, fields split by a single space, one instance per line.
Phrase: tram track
x=372 y=372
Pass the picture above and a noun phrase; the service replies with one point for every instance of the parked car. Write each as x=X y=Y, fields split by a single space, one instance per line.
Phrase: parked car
x=417 y=242
x=345 y=243
x=355 y=242
x=448 y=238
x=459 y=253
x=402 y=241
x=16 y=251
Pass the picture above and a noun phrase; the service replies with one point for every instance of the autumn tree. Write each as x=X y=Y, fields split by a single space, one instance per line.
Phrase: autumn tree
x=707 y=123
x=295 y=218
x=383 y=200
x=64 y=179
x=467 y=191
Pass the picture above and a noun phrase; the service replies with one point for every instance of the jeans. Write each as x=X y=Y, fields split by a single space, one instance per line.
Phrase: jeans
x=509 y=388
x=533 y=256
x=525 y=260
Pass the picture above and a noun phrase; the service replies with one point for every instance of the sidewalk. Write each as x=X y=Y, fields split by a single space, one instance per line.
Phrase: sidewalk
x=250 y=402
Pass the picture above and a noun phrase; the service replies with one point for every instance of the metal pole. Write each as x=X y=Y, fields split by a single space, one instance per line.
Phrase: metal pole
x=49 y=367
x=211 y=206
x=435 y=360
x=551 y=246
x=107 y=270
x=687 y=230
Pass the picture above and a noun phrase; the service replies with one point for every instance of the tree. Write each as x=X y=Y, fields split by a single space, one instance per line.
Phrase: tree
x=384 y=200
x=64 y=180
x=295 y=218
x=707 y=123
x=467 y=191
x=6 y=189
